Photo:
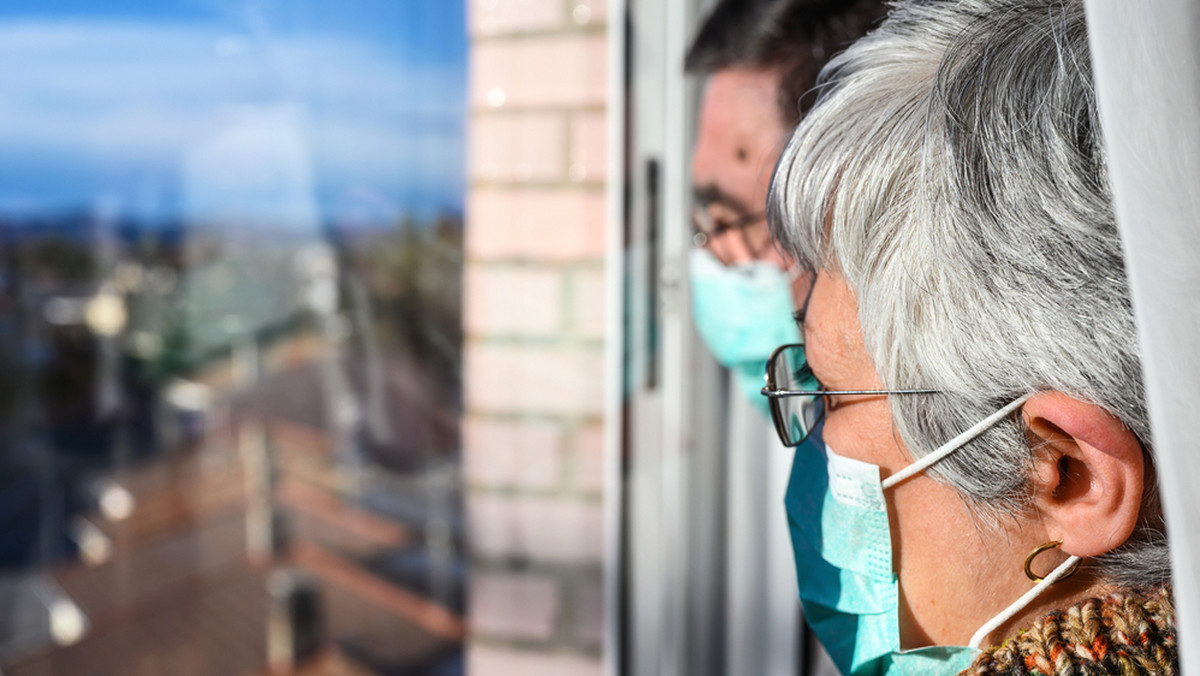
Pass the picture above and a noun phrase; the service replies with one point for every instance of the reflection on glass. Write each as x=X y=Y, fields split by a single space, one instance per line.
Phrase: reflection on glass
x=230 y=252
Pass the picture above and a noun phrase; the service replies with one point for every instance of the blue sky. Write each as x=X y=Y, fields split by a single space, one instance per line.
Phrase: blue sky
x=233 y=110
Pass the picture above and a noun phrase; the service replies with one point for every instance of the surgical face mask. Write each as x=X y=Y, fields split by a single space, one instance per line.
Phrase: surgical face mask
x=743 y=312
x=841 y=539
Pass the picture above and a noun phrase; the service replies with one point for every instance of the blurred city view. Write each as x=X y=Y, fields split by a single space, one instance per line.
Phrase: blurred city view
x=231 y=250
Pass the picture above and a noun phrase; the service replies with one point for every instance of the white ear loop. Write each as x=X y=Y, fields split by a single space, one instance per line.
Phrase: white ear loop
x=948 y=448
x=794 y=272
x=1019 y=605
x=954 y=444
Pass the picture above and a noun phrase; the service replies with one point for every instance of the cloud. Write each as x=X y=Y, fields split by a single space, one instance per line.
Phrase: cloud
x=128 y=96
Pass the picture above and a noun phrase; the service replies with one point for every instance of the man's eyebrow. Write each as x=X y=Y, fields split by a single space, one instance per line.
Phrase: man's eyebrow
x=711 y=194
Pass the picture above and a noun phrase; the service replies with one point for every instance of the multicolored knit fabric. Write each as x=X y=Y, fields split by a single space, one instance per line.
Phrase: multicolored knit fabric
x=1124 y=634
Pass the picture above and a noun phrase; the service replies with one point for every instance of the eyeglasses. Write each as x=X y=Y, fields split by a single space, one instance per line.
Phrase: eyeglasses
x=795 y=396
x=708 y=226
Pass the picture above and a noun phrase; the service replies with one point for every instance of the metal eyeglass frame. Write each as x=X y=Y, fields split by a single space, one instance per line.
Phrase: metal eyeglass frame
x=773 y=395
x=706 y=227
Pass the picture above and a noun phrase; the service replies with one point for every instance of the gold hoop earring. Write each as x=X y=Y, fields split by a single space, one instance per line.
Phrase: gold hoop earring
x=1034 y=554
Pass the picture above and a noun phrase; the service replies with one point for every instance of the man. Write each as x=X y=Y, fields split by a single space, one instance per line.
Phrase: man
x=761 y=59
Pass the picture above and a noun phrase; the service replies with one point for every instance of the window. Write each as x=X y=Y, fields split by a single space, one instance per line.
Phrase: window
x=230 y=259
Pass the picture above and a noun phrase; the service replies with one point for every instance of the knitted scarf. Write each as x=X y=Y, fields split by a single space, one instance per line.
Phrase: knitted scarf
x=1126 y=634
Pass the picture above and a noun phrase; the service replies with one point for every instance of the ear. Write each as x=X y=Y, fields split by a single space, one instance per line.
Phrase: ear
x=1088 y=473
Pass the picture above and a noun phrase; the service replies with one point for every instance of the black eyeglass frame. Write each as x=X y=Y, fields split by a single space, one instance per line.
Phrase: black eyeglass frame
x=774 y=395
x=706 y=227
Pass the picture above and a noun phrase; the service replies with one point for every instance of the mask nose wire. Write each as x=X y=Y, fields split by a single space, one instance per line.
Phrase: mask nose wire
x=954 y=444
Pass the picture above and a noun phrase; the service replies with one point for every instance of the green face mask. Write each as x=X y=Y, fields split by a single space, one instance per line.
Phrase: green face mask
x=743 y=312
x=841 y=539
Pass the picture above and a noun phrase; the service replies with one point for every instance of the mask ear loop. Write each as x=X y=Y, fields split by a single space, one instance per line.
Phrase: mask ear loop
x=946 y=449
x=954 y=444
x=1008 y=613
x=794 y=272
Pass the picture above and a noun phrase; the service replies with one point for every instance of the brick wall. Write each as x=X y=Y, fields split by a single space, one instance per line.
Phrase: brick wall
x=533 y=314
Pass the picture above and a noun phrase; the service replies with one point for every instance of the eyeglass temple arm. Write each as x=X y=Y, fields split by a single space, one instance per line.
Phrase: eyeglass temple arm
x=768 y=392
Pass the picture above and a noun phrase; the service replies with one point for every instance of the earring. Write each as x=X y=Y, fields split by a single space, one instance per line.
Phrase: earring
x=1034 y=554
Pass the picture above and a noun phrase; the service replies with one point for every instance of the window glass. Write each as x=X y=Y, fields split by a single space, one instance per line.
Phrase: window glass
x=230 y=343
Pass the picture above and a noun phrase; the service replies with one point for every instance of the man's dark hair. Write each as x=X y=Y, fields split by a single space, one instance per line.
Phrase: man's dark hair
x=794 y=37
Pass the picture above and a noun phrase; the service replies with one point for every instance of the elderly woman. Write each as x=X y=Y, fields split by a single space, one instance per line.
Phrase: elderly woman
x=969 y=360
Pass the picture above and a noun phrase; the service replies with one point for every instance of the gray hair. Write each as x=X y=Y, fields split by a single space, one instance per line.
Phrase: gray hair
x=954 y=174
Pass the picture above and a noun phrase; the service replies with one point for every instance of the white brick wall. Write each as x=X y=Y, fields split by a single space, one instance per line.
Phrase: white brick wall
x=524 y=528
x=488 y=660
x=535 y=224
x=588 y=147
x=498 y=17
x=587 y=306
x=589 y=602
x=550 y=71
x=596 y=11
x=522 y=455
x=517 y=379
x=518 y=147
x=534 y=321
x=588 y=460
x=519 y=606
x=513 y=301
